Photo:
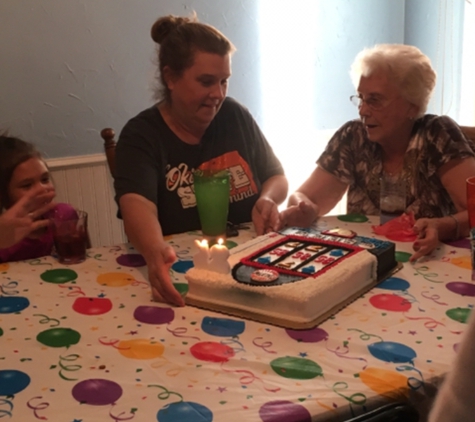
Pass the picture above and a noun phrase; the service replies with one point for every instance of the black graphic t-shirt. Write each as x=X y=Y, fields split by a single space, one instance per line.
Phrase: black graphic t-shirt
x=153 y=162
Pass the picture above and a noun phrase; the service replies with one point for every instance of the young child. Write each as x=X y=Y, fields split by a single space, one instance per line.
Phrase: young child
x=26 y=194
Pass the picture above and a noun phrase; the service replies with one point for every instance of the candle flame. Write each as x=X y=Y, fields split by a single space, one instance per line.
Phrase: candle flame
x=220 y=241
x=204 y=242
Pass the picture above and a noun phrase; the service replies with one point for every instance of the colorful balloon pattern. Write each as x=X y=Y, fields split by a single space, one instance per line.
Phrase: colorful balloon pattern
x=131 y=260
x=12 y=382
x=92 y=305
x=386 y=383
x=394 y=283
x=283 y=410
x=97 y=392
x=389 y=302
x=459 y=314
x=59 y=337
x=211 y=351
x=296 y=368
x=462 y=262
x=185 y=412
x=313 y=335
x=154 y=314
x=353 y=218
x=181 y=267
x=462 y=288
x=59 y=275
x=12 y=304
x=402 y=256
x=390 y=351
x=115 y=279
x=140 y=349
x=103 y=392
x=222 y=327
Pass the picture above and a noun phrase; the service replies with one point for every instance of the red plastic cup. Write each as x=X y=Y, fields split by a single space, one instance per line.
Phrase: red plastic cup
x=70 y=238
x=471 y=200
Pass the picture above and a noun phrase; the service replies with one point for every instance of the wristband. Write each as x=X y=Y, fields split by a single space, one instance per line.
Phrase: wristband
x=457 y=227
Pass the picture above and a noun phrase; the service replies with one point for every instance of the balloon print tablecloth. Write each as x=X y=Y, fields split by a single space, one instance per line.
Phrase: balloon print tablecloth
x=86 y=343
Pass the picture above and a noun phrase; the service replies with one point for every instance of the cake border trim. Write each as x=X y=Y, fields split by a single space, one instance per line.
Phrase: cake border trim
x=286 y=322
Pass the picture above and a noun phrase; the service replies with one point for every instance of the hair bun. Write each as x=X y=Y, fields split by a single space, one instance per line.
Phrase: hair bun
x=163 y=26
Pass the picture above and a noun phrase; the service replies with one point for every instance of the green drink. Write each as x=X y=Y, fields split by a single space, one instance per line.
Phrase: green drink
x=212 y=199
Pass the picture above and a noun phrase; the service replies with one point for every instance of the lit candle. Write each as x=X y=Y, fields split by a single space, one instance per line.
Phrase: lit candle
x=219 y=255
x=201 y=259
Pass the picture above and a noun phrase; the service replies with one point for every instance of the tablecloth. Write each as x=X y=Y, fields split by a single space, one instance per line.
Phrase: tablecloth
x=86 y=343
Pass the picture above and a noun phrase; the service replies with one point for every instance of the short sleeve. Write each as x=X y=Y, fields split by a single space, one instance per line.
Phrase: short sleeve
x=445 y=142
x=136 y=163
x=341 y=152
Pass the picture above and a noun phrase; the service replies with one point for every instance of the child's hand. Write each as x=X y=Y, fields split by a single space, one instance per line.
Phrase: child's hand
x=25 y=216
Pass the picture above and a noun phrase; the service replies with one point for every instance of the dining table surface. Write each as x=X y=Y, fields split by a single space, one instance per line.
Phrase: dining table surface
x=86 y=342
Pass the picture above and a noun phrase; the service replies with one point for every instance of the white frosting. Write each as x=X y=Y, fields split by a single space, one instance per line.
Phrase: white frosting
x=300 y=301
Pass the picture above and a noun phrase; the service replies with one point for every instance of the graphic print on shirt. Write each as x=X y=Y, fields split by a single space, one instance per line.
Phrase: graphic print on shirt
x=242 y=182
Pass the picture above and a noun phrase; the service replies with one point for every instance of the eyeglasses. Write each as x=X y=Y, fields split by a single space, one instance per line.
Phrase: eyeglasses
x=374 y=103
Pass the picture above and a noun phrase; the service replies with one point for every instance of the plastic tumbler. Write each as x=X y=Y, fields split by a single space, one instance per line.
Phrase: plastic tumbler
x=70 y=237
x=212 y=199
x=471 y=200
x=471 y=217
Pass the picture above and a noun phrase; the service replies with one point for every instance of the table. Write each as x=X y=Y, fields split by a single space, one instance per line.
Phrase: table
x=86 y=343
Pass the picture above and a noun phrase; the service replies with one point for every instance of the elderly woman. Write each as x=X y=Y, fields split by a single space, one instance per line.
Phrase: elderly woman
x=393 y=136
x=193 y=125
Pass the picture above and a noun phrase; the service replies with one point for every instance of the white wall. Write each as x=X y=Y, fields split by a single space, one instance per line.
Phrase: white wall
x=72 y=67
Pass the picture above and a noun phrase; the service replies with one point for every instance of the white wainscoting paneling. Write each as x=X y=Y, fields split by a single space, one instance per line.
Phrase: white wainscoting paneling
x=85 y=182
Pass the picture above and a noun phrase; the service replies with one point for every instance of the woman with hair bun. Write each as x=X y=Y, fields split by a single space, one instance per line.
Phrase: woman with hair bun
x=193 y=125
x=393 y=137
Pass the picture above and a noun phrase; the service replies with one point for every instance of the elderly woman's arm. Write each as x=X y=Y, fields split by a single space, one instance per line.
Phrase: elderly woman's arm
x=145 y=233
x=431 y=230
x=316 y=197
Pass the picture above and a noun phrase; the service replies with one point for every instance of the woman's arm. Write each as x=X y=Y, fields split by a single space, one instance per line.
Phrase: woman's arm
x=144 y=231
x=265 y=214
x=316 y=197
x=453 y=176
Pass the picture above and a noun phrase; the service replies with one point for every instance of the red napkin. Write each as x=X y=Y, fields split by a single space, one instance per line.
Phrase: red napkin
x=399 y=229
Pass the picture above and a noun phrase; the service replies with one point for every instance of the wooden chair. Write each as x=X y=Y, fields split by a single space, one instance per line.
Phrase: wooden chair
x=469 y=132
x=108 y=135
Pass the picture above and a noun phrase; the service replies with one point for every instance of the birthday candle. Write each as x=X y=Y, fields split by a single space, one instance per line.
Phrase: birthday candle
x=219 y=255
x=201 y=258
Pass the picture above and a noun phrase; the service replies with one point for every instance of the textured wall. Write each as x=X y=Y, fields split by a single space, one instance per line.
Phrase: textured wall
x=69 y=68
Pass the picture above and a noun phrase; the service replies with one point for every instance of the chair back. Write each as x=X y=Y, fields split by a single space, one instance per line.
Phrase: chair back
x=469 y=132
x=108 y=135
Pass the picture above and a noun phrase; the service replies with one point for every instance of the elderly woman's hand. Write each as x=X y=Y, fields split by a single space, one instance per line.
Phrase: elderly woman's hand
x=303 y=214
x=265 y=216
x=427 y=237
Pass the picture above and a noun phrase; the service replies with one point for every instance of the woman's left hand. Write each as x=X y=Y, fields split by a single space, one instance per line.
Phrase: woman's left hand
x=427 y=237
x=265 y=216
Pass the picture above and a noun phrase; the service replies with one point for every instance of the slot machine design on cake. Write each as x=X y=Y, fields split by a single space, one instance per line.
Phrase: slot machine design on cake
x=304 y=253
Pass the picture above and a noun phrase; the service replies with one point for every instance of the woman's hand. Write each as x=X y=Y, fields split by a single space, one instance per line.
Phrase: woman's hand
x=25 y=216
x=302 y=214
x=159 y=277
x=265 y=216
x=427 y=237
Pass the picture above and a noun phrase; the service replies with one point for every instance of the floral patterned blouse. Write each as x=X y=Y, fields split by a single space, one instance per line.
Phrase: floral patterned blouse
x=357 y=161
